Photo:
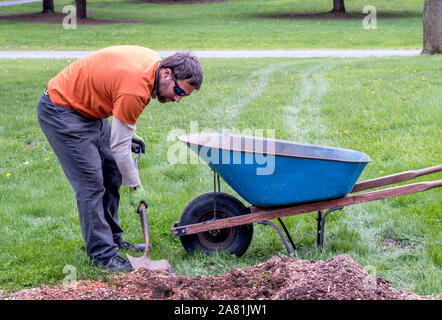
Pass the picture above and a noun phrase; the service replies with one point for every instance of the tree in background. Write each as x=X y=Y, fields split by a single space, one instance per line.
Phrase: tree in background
x=48 y=6
x=81 y=9
x=338 y=6
x=432 y=27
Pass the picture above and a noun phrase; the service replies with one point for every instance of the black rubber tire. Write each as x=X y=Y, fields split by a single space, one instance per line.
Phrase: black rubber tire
x=235 y=240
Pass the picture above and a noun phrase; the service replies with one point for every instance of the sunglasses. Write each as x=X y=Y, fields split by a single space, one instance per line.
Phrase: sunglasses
x=178 y=91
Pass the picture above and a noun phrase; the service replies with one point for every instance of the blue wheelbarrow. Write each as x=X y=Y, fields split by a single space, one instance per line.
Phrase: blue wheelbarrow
x=279 y=179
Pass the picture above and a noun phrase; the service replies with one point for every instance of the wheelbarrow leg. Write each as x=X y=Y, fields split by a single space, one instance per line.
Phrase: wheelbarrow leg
x=287 y=233
x=321 y=226
x=268 y=223
x=215 y=183
x=319 y=220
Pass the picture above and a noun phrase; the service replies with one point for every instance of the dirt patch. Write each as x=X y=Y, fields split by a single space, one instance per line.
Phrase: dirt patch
x=280 y=278
x=57 y=18
x=178 y=1
x=336 y=15
x=390 y=242
x=171 y=2
x=397 y=244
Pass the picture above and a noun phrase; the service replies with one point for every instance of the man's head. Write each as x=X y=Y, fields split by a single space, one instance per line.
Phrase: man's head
x=178 y=76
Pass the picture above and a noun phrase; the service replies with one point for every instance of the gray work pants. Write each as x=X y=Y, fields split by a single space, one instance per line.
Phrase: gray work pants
x=83 y=150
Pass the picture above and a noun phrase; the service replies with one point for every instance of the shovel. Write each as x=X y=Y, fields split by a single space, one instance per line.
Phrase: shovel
x=144 y=260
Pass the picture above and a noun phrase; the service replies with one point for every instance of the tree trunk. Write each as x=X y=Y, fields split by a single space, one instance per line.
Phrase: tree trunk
x=48 y=6
x=432 y=27
x=81 y=9
x=338 y=6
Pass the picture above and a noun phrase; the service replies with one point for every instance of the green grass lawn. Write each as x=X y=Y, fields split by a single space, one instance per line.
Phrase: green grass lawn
x=389 y=108
x=234 y=24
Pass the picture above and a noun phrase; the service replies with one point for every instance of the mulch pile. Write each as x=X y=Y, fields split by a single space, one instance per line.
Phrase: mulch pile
x=280 y=278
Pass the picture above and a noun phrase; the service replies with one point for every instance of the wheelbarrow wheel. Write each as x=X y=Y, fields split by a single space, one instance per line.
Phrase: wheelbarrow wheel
x=235 y=240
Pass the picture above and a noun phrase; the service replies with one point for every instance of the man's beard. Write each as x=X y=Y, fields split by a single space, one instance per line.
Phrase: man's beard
x=162 y=88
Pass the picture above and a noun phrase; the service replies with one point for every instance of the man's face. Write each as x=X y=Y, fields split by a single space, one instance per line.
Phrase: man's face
x=166 y=83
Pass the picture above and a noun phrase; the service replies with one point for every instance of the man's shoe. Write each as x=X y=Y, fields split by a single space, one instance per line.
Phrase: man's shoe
x=116 y=263
x=122 y=244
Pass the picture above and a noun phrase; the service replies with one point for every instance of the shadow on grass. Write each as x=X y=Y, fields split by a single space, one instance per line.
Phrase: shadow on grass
x=57 y=18
x=171 y=2
x=337 y=15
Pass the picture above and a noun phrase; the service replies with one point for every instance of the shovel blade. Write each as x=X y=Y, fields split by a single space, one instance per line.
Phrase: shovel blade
x=146 y=262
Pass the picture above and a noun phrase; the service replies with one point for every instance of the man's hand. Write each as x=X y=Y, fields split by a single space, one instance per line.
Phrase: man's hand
x=138 y=142
x=136 y=196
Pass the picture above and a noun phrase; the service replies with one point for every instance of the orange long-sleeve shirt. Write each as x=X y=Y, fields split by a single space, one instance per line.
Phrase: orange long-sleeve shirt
x=116 y=81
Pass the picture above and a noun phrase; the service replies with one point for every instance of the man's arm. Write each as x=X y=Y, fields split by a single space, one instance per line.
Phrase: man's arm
x=120 y=143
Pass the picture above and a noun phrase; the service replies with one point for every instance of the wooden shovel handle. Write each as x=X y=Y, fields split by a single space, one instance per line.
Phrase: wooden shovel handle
x=141 y=207
x=394 y=178
x=143 y=219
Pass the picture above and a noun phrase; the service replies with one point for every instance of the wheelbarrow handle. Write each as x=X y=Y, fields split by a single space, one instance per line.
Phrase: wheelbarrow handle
x=394 y=178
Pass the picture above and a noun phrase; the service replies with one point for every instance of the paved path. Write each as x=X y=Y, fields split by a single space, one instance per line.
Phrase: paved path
x=334 y=53
x=15 y=3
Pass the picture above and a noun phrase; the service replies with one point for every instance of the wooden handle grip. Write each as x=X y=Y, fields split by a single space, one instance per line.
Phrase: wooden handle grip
x=141 y=207
x=394 y=178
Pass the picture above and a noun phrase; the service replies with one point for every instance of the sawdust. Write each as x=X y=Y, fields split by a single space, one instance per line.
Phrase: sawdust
x=280 y=278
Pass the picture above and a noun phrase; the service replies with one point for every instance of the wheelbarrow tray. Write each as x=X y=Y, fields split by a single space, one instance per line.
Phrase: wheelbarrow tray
x=270 y=172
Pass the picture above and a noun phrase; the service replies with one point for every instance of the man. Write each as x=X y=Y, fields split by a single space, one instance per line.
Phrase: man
x=96 y=156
